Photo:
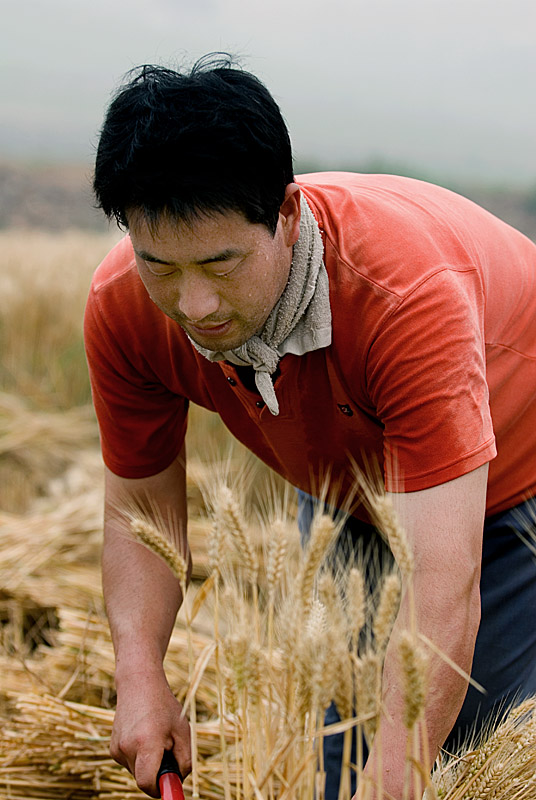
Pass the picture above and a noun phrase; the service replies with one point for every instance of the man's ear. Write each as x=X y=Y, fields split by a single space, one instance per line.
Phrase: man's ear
x=290 y=213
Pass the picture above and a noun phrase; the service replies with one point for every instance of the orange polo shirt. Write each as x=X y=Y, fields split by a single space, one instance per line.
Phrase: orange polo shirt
x=431 y=370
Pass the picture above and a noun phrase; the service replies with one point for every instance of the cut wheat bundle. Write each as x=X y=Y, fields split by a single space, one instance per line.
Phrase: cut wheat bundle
x=53 y=748
x=79 y=666
x=502 y=766
x=57 y=434
x=36 y=446
x=68 y=534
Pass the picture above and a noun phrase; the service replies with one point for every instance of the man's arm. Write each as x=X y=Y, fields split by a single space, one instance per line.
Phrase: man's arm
x=444 y=526
x=142 y=600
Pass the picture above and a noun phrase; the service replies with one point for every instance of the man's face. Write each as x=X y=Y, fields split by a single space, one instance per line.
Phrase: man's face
x=218 y=277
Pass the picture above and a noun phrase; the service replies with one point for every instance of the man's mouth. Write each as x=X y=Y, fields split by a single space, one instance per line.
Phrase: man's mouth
x=214 y=329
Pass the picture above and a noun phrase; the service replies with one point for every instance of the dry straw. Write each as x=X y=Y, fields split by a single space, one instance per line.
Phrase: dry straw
x=287 y=635
x=259 y=711
x=502 y=767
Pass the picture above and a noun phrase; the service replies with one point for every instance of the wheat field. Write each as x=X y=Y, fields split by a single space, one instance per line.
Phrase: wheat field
x=270 y=633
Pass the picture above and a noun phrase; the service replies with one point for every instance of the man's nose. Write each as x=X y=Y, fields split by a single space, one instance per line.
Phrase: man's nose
x=196 y=298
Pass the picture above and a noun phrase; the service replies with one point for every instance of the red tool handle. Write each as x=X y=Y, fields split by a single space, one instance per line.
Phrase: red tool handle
x=169 y=778
x=170 y=787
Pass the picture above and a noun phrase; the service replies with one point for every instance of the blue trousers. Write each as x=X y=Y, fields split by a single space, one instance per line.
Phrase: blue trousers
x=505 y=653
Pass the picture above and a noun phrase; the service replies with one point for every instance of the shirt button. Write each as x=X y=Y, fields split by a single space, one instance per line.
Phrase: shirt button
x=345 y=409
x=260 y=404
x=231 y=381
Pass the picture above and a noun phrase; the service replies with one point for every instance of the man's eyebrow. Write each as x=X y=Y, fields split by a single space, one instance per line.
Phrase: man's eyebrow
x=225 y=255
x=145 y=256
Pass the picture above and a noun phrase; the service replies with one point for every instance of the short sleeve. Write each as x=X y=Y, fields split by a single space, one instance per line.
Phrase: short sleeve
x=142 y=423
x=426 y=376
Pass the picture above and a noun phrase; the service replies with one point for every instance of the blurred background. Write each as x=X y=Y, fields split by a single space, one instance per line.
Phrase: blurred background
x=438 y=89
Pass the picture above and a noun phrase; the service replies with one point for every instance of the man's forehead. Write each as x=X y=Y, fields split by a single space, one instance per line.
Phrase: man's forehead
x=207 y=239
x=165 y=221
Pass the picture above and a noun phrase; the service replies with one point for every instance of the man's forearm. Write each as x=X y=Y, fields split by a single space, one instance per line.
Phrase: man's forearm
x=141 y=593
x=142 y=599
x=453 y=632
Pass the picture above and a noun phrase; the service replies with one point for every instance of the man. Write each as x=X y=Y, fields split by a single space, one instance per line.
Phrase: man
x=323 y=318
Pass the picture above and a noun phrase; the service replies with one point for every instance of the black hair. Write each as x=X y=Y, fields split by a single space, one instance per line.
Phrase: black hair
x=210 y=140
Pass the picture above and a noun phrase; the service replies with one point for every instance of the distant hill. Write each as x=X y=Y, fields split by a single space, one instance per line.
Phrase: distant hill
x=56 y=197
x=48 y=197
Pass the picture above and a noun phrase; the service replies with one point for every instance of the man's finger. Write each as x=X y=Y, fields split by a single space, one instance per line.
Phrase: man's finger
x=146 y=769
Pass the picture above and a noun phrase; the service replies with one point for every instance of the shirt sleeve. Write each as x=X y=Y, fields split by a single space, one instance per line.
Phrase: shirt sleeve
x=426 y=375
x=142 y=423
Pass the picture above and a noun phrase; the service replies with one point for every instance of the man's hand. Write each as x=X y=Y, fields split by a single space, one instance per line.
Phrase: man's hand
x=148 y=721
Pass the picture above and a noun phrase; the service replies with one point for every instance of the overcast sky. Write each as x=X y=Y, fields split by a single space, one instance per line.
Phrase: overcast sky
x=443 y=86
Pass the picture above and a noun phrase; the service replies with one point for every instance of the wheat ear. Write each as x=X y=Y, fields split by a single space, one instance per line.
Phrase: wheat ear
x=393 y=531
x=277 y=549
x=148 y=534
x=322 y=536
x=386 y=612
x=414 y=668
x=356 y=605
x=229 y=515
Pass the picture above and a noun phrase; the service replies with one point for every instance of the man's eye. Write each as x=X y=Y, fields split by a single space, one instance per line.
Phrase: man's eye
x=224 y=273
x=157 y=273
